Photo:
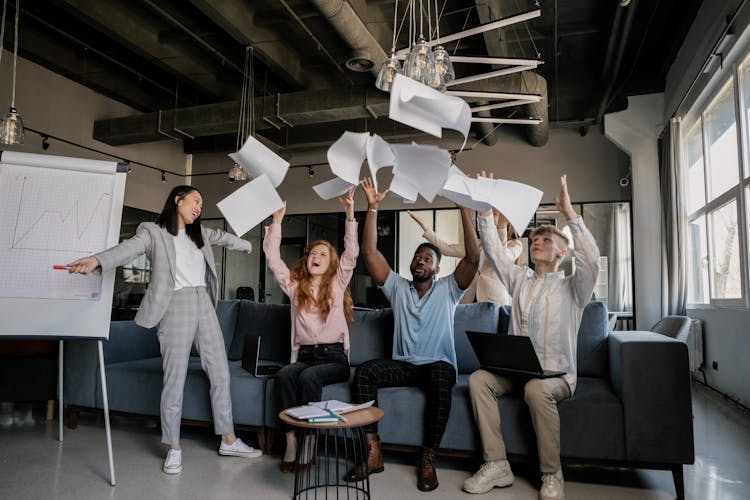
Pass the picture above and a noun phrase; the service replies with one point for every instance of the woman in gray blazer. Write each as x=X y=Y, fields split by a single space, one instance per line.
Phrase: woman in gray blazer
x=181 y=301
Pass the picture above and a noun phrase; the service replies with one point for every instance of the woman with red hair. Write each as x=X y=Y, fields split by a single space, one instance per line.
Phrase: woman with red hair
x=321 y=308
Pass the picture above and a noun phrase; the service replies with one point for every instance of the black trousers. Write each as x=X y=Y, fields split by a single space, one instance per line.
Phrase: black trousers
x=303 y=381
x=435 y=379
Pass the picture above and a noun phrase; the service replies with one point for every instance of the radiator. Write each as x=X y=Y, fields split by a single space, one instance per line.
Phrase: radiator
x=695 y=344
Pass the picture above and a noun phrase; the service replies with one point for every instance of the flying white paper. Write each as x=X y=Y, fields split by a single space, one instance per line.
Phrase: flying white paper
x=333 y=188
x=401 y=187
x=426 y=109
x=516 y=201
x=345 y=156
x=257 y=159
x=457 y=190
x=250 y=205
x=379 y=155
x=425 y=167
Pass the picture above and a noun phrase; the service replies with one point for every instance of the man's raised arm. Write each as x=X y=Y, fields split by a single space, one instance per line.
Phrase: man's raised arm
x=375 y=262
x=467 y=267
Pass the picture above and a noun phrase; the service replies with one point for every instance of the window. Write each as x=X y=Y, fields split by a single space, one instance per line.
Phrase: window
x=717 y=189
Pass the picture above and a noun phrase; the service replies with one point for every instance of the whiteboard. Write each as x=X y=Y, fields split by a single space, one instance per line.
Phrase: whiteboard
x=53 y=210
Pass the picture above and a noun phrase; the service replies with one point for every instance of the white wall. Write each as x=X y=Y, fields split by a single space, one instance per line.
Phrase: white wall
x=636 y=130
x=60 y=107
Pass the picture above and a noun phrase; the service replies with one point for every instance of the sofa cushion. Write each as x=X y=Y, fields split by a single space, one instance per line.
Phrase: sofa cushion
x=270 y=321
x=478 y=317
x=371 y=335
x=504 y=323
x=593 y=350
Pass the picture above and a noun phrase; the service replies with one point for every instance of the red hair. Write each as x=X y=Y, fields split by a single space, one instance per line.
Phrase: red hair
x=301 y=276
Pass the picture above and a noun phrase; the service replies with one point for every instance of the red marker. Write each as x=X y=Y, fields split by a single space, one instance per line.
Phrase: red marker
x=60 y=268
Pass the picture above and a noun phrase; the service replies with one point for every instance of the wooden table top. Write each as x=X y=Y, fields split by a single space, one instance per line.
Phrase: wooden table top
x=354 y=419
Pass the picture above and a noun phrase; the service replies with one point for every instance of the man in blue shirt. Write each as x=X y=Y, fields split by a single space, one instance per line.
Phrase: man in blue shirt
x=424 y=353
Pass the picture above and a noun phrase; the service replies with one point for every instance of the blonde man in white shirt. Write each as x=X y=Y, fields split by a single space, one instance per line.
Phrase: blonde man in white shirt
x=486 y=285
x=547 y=307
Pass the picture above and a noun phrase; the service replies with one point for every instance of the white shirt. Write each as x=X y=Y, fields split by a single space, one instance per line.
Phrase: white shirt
x=191 y=264
x=547 y=308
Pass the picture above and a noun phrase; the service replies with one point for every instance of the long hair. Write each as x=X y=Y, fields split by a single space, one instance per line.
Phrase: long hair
x=301 y=276
x=168 y=219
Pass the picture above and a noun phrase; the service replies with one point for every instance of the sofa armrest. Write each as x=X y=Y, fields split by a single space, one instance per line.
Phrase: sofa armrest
x=129 y=342
x=650 y=374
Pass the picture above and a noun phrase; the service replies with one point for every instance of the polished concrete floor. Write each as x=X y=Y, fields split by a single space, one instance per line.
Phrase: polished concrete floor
x=35 y=465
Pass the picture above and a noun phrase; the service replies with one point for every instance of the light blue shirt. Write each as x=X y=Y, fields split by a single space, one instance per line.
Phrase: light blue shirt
x=423 y=328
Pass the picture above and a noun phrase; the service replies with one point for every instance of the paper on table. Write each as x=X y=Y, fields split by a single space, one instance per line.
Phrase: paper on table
x=379 y=155
x=426 y=109
x=423 y=166
x=250 y=205
x=516 y=201
x=333 y=188
x=257 y=159
x=347 y=154
x=337 y=406
x=456 y=189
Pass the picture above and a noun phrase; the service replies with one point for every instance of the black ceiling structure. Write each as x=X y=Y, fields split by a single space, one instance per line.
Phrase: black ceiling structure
x=179 y=63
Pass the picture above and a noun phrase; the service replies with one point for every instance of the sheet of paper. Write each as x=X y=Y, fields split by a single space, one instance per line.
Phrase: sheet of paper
x=401 y=187
x=257 y=159
x=425 y=167
x=379 y=155
x=250 y=205
x=331 y=189
x=426 y=109
x=457 y=190
x=515 y=200
x=347 y=154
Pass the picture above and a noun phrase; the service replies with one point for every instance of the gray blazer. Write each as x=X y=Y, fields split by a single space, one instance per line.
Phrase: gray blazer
x=158 y=245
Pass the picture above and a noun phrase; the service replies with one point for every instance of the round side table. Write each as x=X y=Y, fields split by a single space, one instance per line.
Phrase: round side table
x=339 y=446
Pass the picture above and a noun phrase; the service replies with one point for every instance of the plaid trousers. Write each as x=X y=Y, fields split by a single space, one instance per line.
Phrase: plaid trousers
x=435 y=379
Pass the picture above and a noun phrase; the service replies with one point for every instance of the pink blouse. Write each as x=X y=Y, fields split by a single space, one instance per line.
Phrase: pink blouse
x=308 y=327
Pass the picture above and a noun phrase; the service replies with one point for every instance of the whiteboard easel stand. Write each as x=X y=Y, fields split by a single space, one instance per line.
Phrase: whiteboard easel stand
x=105 y=402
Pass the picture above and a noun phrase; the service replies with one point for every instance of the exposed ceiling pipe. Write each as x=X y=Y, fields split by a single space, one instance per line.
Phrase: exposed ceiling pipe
x=350 y=27
x=623 y=41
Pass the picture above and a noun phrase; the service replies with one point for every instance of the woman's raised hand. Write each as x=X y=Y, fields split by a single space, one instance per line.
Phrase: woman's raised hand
x=84 y=265
x=372 y=195
x=347 y=202
x=278 y=215
x=417 y=220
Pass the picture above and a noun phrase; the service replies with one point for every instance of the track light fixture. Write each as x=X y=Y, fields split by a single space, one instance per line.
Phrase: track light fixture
x=310 y=171
x=163 y=176
x=45 y=142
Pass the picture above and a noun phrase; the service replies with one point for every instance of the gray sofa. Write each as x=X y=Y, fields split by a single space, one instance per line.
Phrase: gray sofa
x=632 y=406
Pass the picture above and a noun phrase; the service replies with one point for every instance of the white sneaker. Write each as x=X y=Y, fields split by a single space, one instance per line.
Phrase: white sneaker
x=239 y=449
x=490 y=474
x=552 y=486
x=173 y=462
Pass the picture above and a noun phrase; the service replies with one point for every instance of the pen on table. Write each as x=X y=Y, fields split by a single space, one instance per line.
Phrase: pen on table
x=60 y=267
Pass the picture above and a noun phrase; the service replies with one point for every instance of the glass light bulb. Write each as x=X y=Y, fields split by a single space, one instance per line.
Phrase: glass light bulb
x=388 y=71
x=443 y=68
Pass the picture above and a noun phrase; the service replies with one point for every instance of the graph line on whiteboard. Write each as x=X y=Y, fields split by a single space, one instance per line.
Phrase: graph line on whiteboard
x=63 y=217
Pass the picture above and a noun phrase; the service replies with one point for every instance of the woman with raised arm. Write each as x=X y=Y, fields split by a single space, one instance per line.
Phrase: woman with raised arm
x=321 y=308
x=486 y=285
x=180 y=301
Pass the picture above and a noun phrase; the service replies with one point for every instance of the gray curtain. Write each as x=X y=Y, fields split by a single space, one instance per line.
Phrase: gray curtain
x=674 y=236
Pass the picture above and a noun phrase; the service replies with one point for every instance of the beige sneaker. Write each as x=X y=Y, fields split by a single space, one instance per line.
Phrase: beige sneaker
x=553 y=487
x=492 y=474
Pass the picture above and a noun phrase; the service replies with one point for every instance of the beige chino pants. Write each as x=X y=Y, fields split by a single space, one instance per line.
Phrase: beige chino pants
x=541 y=395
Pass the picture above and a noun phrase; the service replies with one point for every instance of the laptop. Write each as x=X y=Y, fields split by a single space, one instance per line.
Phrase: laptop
x=251 y=359
x=508 y=355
